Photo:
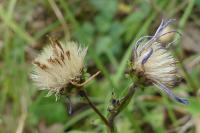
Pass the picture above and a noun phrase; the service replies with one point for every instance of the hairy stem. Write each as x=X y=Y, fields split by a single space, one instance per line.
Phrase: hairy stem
x=84 y=94
x=119 y=108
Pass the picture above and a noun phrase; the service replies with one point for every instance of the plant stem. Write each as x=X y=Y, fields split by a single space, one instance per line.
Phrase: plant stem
x=115 y=111
x=84 y=94
x=123 y=103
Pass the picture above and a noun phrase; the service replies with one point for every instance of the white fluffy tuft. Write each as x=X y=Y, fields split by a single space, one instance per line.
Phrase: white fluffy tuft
x=160 y=66
x=57 y=65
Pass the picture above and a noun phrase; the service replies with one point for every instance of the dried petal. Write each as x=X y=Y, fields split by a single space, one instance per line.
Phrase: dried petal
x=170 y=93
x=153 y=60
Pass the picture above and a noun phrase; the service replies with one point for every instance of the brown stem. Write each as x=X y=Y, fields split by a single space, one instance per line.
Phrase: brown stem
x=115 y=111
x=84 y=94
x=82 y=84
x=123 y=103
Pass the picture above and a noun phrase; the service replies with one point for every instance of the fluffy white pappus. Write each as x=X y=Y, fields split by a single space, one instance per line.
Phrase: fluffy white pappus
x=155 y=62
x=57 y=65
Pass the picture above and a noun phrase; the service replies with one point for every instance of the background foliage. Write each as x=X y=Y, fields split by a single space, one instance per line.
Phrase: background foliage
x=109 y=28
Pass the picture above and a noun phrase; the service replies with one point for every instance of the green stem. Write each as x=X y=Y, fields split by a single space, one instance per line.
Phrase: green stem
x=82 y=93
x=119 y=108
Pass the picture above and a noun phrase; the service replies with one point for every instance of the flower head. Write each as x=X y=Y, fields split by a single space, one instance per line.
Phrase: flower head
x=57 y=65
x=154 y=62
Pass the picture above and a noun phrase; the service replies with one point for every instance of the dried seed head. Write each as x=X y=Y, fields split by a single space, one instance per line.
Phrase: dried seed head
x=57 y=65
x=154 y=62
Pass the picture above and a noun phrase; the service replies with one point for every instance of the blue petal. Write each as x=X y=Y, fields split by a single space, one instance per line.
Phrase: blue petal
x=142 y=39
x=170 y=93
x=182 y=100
x=147 y=56
x=162 y=26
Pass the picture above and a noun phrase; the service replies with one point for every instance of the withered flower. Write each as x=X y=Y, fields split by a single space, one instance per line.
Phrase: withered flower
x=153 y=62
x=57 y=65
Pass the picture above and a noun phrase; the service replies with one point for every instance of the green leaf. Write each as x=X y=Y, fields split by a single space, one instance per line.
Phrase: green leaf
x=194 y=106
x=47 y=109
x=105 y=7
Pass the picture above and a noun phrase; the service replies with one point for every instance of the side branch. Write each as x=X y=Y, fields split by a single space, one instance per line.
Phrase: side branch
x=122 y=104
x=88 y=80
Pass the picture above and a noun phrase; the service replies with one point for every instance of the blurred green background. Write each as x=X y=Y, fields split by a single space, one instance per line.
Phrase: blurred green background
x=109 y=28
